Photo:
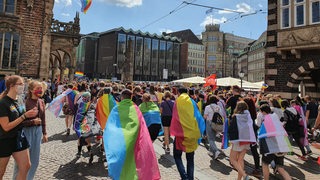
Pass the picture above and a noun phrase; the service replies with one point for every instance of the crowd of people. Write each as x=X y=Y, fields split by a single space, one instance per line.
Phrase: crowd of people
x=134 y=115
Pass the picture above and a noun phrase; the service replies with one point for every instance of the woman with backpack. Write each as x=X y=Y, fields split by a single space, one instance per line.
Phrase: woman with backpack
x=212 y=111
x=291 y=120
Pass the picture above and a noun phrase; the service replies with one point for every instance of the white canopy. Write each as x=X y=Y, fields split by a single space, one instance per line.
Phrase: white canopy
x=227 y=81
x=230 y=81
x=194 y=80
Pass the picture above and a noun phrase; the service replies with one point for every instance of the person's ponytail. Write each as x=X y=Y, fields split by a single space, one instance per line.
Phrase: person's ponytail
x=4 y=93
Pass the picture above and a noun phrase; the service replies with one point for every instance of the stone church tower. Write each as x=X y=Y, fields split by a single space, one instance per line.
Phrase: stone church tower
x=29 y=36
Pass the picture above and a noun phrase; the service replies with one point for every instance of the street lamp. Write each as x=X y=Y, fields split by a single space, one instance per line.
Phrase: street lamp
x=241 y=75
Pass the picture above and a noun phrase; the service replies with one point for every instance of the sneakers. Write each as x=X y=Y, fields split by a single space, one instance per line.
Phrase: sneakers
x=216 y=154
x=68 y=131
x=78 y=154
x=210 y=154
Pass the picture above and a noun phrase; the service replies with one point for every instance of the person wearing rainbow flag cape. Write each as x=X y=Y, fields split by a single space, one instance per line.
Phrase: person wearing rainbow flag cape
x=187 y=125
x=129 y=150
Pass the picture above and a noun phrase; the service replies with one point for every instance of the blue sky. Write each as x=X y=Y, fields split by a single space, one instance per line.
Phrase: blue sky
x=137 y=14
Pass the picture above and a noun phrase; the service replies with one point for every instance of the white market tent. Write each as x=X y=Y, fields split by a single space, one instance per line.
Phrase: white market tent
x=193 y=80
x=227 y=81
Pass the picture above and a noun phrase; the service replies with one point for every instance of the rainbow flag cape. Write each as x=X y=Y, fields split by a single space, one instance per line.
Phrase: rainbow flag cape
x=151 y=113
x=187 y=124
x=85 y=5
x=225 y=139
x=103 y=108
x=273 y=138
x=130 y=155
x=56 y=104
x=81 y=123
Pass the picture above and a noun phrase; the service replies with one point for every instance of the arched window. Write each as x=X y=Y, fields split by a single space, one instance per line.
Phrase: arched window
x=9 y=49
x=7 y=6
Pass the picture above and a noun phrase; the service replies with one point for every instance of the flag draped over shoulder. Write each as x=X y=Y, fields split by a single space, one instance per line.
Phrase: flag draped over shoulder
x=130 y=154
x=56 y=104
x=151 y=113
x=272 y=136
x=103 y=109
x=225 y=138
x=70 y=98
x=187 y=124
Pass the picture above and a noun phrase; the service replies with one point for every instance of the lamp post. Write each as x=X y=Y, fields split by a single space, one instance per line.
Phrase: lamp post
x=241 y=75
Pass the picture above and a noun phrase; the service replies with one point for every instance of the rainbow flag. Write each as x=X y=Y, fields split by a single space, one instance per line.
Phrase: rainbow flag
x=103 y=109
x=273 y=138
x=56 y=104
x=187 y=124
x=151 y=113
x=130 y=155
x=81 y=124
x=79 y=74
x=85 y=5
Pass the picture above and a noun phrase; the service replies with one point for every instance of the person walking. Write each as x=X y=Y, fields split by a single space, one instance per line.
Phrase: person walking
x=13 y=141
x=209 y=112
x=166 y=108
x=187 y=125
x=34 y=128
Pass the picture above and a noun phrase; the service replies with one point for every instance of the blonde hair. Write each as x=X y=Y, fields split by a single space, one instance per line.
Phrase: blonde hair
x=241 y=107
x=146 y=97
x=31 y=86
x=10 y=81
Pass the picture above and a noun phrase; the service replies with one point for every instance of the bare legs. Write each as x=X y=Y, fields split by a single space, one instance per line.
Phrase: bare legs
x=236 y=159
x=166 y=136
x=22 y=159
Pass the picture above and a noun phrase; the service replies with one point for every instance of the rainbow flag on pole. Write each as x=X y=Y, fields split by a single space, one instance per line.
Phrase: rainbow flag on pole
x=79 y=74
x=187 y=124
x=129 y=151
x=103 y=109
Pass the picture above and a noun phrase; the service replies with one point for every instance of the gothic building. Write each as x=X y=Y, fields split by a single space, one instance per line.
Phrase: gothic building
x=32 y=43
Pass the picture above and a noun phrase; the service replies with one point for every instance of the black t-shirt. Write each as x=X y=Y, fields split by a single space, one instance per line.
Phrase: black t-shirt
x=11 y=109
x=232 y=102
x=313 y=108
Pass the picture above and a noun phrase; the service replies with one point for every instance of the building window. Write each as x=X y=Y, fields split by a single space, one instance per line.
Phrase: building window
x=9 y=50
x=212 y=58
x=299 y=8
x=315 y=11
x=7 y=6
x=285 y=13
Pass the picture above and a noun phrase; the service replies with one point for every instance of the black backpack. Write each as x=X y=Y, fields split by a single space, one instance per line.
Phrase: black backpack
x=292 y=124
x=217 y=118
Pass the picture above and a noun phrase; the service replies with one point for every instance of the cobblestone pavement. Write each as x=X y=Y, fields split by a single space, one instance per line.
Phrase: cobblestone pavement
x=58 y=161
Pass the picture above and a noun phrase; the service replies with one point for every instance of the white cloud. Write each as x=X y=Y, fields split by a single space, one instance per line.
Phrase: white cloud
x=64 y=2
x=124 y=3
x=65 y=14
x=224 y=12
x=211 y=20
x=244 y=8
x=165 y=30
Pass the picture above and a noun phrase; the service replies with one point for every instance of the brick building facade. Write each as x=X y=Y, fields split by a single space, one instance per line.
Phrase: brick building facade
x=29 y=36
x=292 y=50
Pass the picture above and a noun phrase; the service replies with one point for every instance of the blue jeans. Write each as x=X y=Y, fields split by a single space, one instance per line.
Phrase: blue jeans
x=211 y=135
x=33 y=135
x=190 y=163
